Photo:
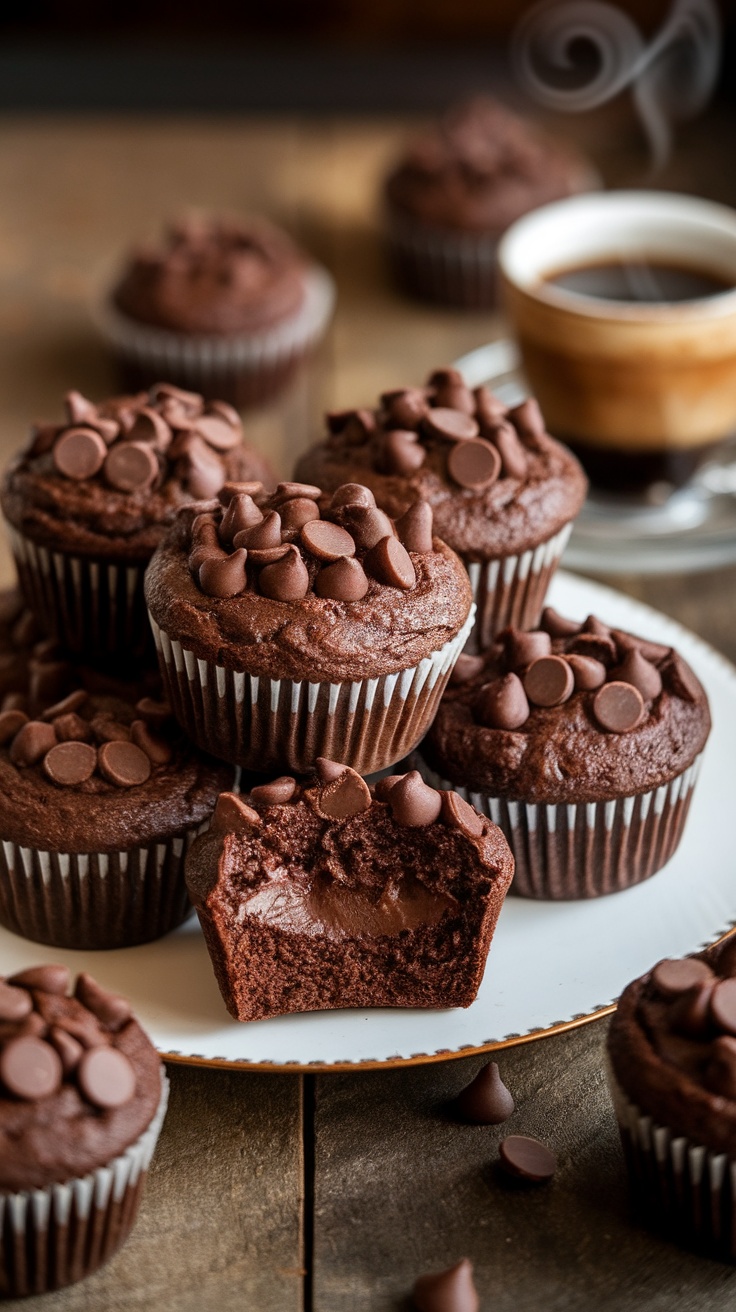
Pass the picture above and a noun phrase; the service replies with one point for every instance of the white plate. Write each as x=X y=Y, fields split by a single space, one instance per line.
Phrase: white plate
x=550 y=964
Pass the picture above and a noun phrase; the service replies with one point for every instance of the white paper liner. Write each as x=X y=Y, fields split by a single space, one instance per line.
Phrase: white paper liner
x=261 y=723
x=511 y=591
x=201 y=358
x=452 y=268
x=51 y=1237
x=679 y=1186
x=94 y=607
x=95 y=900
x=589 y=849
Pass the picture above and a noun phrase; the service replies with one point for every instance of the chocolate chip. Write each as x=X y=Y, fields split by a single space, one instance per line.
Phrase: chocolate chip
x=32 y=742
x=72 y=728
x=266 y=533
x=358 y=427
x=233 y=816
x=415 y=527
x=287 y=579
x=223 y=576
x=111 y=1009
x=413 y=803
x=192 y=401
x=204 y=469
x=401 y=454
x=522 y=648
x=549 y=681
x=383 y=786
x=107 y=730
x=328 y=770
x=466 y=668
x=490 y=410
x=486 y=1100
x=681 y=678
x=680 y=974
x=106 y=1077
x=458 y=813
x=296 y=513
x=30 y=1068
x=527 y=418
x=502 y=704
x=275 y=793
x=447 y=1291
x=367 y=525
x=233 y=488
x=474 y=465
x=327 y=541
x=66 y=706
x=241 y=513
x=49 y=979
x=108 y=429
x=514 y=459
x=131 y=466
x=287 y=491
x=527 y=1158
x=618 y=707
x=557 y=625
x=634 y=669
x=158 y=751
x=452 y=425
x=15 y=1003
x=390 y=563
x=455 y=396
x=720 y=1073
x=11 y=722
x=78 y=409
x=352 y=494
x=346 y=580
x=651 y=651
x=405 y=408
x=723 y=1005
x=69 y=1049
x=154 y=711
x=597 y=647
x=42 y=438
x=150 y=428
x=217 y=432
x=690 y=1012
x=588 y=673
x=593 y=625
x=79 y=453
x=346 y=796
x=226 y=412
x=70 y=763
x=266 y=555
x=123 y=764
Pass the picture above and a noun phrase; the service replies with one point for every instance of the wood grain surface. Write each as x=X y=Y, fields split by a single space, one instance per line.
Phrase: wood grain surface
x=332 y=1193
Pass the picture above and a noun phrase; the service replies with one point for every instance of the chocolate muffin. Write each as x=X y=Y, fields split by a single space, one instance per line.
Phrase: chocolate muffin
x=456 y=190
x=89 y=499
x=294 y=625
x=100 y=798
x=583 y=743
x=672 y=1072
x=227 y=306
x=331 y=894
x=504 y=493
x=82 y=1099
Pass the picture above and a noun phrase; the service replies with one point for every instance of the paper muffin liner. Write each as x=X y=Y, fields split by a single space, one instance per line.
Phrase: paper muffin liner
x=263 y=724
x=54 y=1236
x=450 y=268
x=95 y=900
x=511 y=591
x=244 y=369
x=679 y=1187
x=95 y=608
x=587 y=849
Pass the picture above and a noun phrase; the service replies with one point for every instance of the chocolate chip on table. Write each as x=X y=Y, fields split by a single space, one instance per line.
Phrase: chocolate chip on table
x=346 y=796
x=466 y=667
x=223 y=576
x=618 y=707
x=111 y=1009
x=346 y=580
x=327 y=541
x=367 y=525
x=390 y=563
x=50 y=979
x=549 y=681
x=123 y=764
x=527 y=418
x=70 y=763
x=414 y=528
x=263 y=534
x=486 y=1100
x=557 y=625
x=502 y=704
x=15 y=1003
x=639 y=672
x=460 y=814
x=677 y=975
x=588 y=673
x=233 y=816
x=11 y=722
x=217 y=432
x=131 y=466
x=107 y=730
x=106 y=1077
x=65 y=706
x=296 y=513
x=69 y=1049
x=526 y=1158
x=79 y=453
x=401 y=453
x=157 y=712
x=474 y=465
x=30 y=1068
x=413 y=803
x=158 y=751
x=352 y=494
x=151 y=428
x=723 y=1005
x=287 y=579
x=452 y=425
x=32 y=742
x=276 y=792
x=241 y=513
x=514 y=459
x=447 y=1291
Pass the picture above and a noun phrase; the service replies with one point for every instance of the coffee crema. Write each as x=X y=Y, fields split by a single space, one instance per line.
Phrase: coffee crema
x=640 y=281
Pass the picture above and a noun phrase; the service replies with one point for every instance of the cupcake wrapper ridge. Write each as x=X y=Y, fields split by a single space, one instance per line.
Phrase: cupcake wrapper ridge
x=588 y=849
x=261 y=723
x=511 y=591
x=451 y=268
x=54 y=1236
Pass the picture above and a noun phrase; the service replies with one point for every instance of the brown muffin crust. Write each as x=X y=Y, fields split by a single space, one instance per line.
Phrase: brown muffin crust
x=565 y=752
x=65 y=1133
x=538 y=485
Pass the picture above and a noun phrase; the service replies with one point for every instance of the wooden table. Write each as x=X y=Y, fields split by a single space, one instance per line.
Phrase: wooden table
x=281 y=1192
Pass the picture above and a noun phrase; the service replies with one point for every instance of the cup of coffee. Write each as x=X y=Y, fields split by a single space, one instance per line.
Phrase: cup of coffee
x=624 y=307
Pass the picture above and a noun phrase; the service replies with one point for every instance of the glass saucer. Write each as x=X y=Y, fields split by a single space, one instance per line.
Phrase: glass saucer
x=693 y=529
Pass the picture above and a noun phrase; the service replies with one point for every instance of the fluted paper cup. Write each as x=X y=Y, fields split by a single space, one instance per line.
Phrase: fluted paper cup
x=510 y=592
x=95 y=900
x=588 y=849
x=264 y=724
x=243 y=369
x=51 y=1237
x=450 y=268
